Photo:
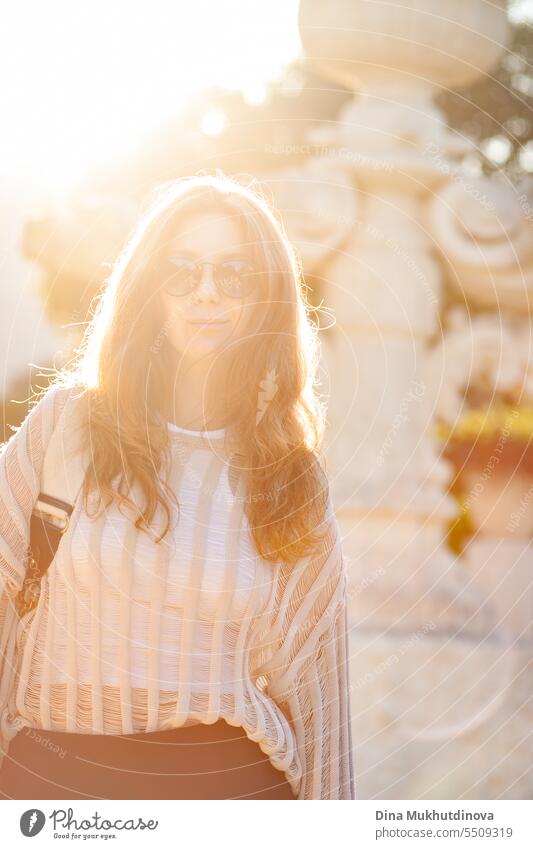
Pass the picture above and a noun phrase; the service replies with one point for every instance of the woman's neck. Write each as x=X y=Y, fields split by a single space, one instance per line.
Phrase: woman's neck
x=198 y=401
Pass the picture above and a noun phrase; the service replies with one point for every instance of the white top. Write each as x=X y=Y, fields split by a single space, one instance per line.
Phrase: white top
x=211 y=433
x=146 y=637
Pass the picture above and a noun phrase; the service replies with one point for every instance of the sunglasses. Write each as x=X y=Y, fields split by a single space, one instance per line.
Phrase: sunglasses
x=235 y=278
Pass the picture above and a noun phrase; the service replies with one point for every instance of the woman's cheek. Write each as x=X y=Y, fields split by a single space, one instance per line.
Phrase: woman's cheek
x=243 y=321
x=173 y=327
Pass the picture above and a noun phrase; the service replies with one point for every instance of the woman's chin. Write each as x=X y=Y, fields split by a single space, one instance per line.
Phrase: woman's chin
x=201 y=348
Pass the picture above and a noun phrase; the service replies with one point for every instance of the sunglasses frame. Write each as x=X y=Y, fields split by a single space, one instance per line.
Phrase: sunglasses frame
x=197 y=273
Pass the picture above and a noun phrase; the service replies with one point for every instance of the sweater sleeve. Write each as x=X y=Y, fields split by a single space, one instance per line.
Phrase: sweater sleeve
x=21 y=459
x=306 y=666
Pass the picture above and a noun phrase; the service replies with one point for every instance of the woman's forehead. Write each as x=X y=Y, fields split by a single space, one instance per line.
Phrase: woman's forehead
x=198 y=219
x=212 y=228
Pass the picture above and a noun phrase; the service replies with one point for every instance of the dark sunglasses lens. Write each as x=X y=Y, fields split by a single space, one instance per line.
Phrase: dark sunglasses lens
x=235 y=278
x=180 y=276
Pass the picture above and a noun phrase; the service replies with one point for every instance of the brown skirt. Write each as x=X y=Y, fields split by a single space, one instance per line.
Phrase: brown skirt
x=200 y=761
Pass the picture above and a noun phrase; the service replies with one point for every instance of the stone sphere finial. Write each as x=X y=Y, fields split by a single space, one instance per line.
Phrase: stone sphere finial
x=402 y=43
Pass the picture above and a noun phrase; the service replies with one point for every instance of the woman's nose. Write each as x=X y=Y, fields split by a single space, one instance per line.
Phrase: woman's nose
x=206 y=289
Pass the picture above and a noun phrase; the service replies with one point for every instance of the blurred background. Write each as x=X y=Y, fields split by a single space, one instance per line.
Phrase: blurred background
x=396 y=139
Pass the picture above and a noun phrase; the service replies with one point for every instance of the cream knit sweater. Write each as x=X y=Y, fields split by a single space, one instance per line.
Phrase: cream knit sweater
x=131 y=636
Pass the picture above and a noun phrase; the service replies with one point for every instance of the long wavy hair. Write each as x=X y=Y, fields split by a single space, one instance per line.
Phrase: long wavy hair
x=124 y=368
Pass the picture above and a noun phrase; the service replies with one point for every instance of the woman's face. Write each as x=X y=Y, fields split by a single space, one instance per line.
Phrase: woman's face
x=207 y=237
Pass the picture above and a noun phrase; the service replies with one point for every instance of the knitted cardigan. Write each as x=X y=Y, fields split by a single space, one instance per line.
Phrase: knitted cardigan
x=130 y=635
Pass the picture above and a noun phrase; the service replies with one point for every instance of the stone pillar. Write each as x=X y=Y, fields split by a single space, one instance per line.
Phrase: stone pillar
x=384 y=285
x=420 y=698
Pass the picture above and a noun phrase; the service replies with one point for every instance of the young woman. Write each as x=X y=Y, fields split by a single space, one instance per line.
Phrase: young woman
x=190 y=639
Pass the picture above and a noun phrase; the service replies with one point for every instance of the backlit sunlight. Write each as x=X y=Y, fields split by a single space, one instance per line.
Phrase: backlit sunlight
x=92 y=78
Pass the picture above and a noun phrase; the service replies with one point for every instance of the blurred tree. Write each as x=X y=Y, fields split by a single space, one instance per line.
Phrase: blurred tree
x=497 y=112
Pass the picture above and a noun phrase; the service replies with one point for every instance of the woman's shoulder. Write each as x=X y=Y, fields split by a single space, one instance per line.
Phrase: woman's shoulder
x=46 y=408
x=57 y=394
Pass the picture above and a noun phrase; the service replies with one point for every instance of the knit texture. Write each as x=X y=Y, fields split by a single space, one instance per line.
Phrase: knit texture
x=130 y=635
